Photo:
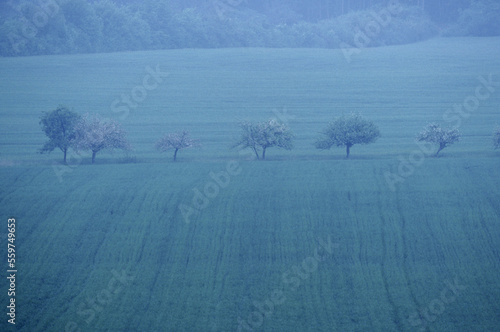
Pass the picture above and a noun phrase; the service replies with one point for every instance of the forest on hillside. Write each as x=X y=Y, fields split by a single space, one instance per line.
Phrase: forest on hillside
x=38 y=27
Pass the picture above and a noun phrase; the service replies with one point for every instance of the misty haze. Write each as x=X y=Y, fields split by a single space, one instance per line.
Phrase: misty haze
x=237 y=165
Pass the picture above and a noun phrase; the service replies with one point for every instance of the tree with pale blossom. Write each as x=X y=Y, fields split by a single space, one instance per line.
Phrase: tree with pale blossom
x=263 y=135
x=433 y=133
x=176 y=141
x=93 y=133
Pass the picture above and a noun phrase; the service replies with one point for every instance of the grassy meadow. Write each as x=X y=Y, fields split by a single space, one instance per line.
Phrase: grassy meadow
x=304 y=241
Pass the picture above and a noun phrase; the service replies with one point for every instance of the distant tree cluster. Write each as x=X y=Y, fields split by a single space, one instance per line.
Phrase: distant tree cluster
x=66 y=129
x=80 y=26
x=263 y=135
x=480 y=18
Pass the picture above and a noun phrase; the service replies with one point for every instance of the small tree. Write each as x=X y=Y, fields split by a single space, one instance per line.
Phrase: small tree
x=496 y=138
x=95 y=134
x=176 y=141
x=59 y=126
x=348 y=131
x=263 y=135
x=433 y=133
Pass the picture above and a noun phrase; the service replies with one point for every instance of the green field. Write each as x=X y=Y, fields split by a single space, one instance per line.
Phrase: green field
x=317 y=242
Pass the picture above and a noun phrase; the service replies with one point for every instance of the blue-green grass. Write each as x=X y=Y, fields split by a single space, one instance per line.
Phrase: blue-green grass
x=394 y=250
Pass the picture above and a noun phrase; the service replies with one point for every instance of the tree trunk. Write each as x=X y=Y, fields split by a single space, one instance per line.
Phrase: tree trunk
x=263 y=153
x=348 y=150
x=256 y=153
x=175 y=154
x=65 y=150
x=441 y=147
x=93 y=156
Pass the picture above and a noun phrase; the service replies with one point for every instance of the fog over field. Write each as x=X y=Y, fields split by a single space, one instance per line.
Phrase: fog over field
x=329 y=165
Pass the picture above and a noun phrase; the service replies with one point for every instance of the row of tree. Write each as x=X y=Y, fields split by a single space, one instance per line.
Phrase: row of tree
x=79 y=26
x=345 y=131
x=66 y=129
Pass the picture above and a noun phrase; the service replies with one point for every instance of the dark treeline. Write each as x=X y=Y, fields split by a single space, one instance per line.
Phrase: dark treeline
x=88 y=26
x=313 y=10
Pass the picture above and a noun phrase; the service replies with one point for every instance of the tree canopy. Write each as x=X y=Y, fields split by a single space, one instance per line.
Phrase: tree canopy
x=78 y=26
x=176 y=141
x=59 y=126
x=95 y=134
x=433 y=133
x=348 y=131
x=263 y=135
